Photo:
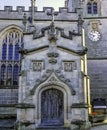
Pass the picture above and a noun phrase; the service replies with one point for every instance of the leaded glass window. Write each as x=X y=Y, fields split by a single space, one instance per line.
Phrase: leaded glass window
x=10 y=60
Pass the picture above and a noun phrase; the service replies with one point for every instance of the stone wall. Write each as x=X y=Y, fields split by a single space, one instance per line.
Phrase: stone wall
x=8 y=96
x=97 y=70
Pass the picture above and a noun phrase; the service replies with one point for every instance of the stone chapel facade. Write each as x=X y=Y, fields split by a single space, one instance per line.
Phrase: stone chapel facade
x=43 y=64
x=53 y=81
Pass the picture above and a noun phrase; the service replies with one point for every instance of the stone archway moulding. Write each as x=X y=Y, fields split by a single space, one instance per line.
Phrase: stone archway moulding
x=6 y=29
x=49 y=84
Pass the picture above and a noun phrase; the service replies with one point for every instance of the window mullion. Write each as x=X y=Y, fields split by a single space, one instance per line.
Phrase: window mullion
x=5 y=74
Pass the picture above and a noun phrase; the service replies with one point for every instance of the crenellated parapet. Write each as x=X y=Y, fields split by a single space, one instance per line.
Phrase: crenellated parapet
x=63 y=14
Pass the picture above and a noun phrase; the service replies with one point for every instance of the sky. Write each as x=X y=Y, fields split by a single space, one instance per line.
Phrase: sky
x=39 y=3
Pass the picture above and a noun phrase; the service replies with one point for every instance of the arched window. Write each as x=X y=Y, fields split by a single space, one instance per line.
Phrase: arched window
x=16 y=53
x=10 y=60
x=15 y=74
x=3 y=74
x=92 y=7
x=10 y=52
x=95 y=8
x=4 y=51
x=9 y=75
x=89 y=8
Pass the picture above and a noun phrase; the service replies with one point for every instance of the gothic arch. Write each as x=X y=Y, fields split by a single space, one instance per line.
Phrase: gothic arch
x=57 y=86
x=10 y=37
x=7 y=28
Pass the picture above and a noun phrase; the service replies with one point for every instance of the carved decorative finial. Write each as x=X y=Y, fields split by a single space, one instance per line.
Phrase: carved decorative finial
x=53 y=13
x=80 y=23
x=33 y=10
x=52 y=32
x=33 y=2
x=24 y=21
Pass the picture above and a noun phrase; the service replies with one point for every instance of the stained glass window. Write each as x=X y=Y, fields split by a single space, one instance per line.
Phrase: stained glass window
x=10 y=59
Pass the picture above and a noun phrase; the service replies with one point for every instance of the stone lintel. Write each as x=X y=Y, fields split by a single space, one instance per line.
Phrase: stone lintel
x=79 y=105
x=25 y=105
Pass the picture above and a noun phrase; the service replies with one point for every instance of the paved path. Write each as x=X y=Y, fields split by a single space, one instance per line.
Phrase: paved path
x=101 y=127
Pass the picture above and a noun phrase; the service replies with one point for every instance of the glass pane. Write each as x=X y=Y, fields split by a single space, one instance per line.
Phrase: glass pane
x=16 y=52
x=94 y=8
x=89 y=8
x=3 y=74
x=15 y=75
x=4 y=51
x=10 y=55
x=9 y=75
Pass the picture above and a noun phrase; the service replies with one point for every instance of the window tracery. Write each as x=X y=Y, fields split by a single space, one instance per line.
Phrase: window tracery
x=10 y=60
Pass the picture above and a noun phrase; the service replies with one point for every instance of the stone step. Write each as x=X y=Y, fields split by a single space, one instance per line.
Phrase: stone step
x=53 y=128
x=3 y=128
x=7 y=124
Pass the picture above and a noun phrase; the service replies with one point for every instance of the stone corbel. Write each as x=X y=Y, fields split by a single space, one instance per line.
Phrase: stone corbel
x=23 y=51
x=83 y=51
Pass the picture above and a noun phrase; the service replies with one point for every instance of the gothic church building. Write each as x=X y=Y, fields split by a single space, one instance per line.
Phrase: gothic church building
x=52 y=64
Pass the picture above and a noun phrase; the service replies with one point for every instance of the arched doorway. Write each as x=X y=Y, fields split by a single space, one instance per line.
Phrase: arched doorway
x=52 y=107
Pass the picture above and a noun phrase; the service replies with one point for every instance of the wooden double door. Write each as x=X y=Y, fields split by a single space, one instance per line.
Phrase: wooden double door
x=52 y=107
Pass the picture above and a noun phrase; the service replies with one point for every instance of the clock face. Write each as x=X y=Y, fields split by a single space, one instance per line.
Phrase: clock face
x=94 y=36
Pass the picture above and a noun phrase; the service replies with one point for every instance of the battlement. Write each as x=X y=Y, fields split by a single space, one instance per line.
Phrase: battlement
x=22 y=9
x=63 y=14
